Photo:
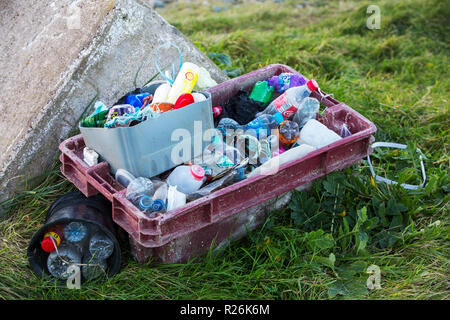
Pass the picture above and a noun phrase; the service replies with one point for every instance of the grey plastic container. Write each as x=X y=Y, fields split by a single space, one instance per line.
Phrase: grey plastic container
x=145 y=149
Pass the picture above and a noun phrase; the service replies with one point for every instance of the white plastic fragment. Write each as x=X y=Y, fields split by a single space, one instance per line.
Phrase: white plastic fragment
x=90 y=156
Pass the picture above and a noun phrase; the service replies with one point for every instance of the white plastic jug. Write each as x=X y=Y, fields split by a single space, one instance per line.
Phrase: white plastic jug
x=317 y=135
x=187 y=179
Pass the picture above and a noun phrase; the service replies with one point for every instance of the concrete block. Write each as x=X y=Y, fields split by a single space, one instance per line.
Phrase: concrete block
x=57 y=57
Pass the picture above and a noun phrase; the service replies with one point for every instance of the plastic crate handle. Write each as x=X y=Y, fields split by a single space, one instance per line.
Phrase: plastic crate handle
x=388 y=181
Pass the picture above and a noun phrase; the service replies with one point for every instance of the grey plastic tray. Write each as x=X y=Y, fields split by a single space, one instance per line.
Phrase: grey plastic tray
x=145 y=149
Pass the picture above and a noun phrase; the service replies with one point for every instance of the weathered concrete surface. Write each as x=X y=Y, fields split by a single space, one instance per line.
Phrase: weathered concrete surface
x=56 y=58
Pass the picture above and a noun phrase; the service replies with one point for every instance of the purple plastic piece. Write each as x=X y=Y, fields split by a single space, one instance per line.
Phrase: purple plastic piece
x=285 y=81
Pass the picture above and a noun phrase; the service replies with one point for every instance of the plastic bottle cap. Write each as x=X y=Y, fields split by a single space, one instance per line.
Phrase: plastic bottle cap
x=312 y=85
x=47 y=245
x=158 y=205
x=217 y=111
x=197 y=172
x=278 y=117
x=145 y=202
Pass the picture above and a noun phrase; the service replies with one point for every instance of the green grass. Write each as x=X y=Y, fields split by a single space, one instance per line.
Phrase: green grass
x=320 y=246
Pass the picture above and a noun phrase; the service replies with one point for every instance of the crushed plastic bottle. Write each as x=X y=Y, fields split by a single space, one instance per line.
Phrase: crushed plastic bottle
x=289 y=102
x=140 y=192
x=285 y=81
x=58 y=265
x=94 y=267
x=308 y=110
x=288 y=133
x=317 y=135
x=262 y=92
x=100 y=245
x=187 y=178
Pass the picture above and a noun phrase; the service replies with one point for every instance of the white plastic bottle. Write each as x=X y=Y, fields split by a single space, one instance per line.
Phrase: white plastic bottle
x=184 y=82
x=161 y=93
x=289 y=102
x=187 y=179
x=317 y=135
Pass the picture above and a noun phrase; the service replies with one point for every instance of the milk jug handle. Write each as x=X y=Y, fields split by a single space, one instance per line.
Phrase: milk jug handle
x=166 y=45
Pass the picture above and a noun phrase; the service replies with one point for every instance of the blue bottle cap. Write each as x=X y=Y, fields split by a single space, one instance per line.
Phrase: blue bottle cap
x=145 y=202
x=278 y=117
x=158 y=205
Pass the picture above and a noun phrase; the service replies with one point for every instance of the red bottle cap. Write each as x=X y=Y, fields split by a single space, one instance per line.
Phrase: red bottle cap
x=217 y=110
x=47 y=245
x=197 y=172
x=312 y=85
x=183 y=100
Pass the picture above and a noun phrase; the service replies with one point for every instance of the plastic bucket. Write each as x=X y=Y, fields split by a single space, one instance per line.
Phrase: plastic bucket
x=145 y=150
x=74 y=206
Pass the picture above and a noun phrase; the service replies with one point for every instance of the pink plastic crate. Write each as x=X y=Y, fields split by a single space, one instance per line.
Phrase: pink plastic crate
x=227 y=214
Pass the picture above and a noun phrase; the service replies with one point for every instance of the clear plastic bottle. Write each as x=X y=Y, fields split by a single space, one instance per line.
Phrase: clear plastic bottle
x=263 y=125
x=124 y=177
x=307 y=111
x=289 y=102
x=160 y=198
x=58 y=264
x=187 y=178
x=140 y=192
x=100 y=245
x=77 y=233
x=94 y=267
x=288 y=133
